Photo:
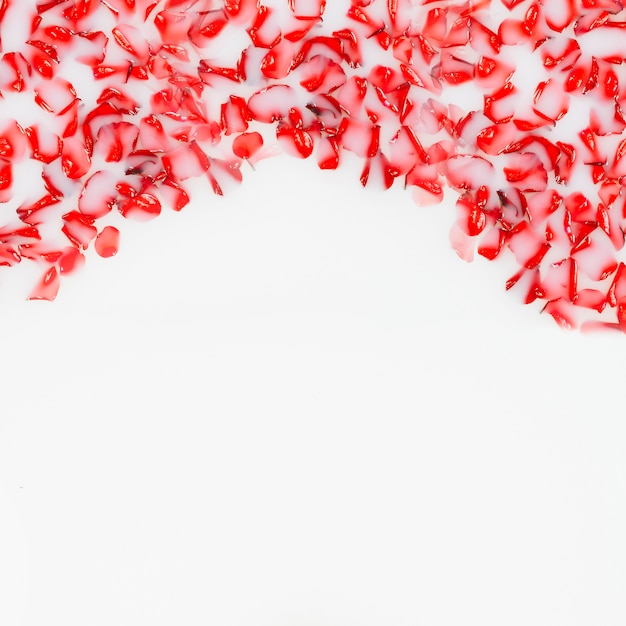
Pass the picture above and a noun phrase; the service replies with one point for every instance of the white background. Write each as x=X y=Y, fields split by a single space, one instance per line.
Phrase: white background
x=297 y=407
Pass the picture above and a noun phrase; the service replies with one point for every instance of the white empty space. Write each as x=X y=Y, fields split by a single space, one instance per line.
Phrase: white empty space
x=297 y=407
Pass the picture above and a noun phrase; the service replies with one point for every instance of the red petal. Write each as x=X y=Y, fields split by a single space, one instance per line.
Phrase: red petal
x=107 y=242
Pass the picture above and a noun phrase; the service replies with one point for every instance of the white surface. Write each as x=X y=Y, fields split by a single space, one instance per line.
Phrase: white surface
x=298 y=407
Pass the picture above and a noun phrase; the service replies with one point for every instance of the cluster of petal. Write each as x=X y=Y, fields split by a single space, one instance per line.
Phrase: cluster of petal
x=138 y=96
